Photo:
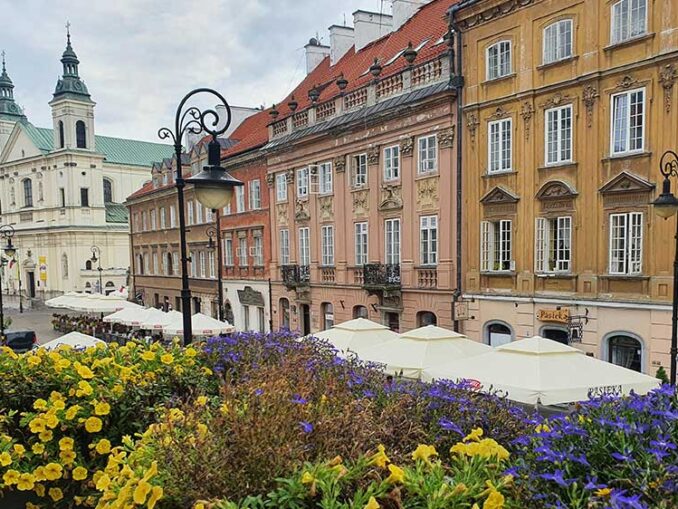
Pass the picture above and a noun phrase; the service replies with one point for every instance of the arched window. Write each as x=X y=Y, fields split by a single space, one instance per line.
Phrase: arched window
x=498 y=333
x=425 y=318
x=284 y=307
x=28 y=192
x=169 y=264
x=80 y=134
x=228 y=313
x=88 y=288
x=88 y=265
x=140 y=264
x=625 y=351
x=110 y=287
x=360 y=312
x=64 y=266
x=62 y=142
x=327 y=311
x=558 y=334
x=108 y=191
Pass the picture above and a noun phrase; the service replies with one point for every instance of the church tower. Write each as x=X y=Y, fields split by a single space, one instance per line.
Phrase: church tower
x=10 y=112
x=72 y=107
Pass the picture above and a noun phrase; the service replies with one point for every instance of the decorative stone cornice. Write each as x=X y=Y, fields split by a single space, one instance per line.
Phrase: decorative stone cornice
x=556 y=100
x=627 y=182
x=526 y=112
x=373 y=156
x=499 y=195
x=407 y=146
x=339 y=164
x=667 y=77
x=498 y=114
x=589 y=94
x=472 y=123
x=290 y=176
x=391 y=198
x=446 y=138
x=492 y=13
x=556 y=190
x=301 y=214
x=270 y=179
x=626 y=82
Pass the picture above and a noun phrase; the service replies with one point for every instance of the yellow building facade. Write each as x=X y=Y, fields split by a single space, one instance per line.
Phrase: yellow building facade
x=568 y=107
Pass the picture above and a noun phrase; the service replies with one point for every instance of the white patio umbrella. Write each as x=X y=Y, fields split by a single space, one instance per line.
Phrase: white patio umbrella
x=138 y=317
x=122 y=315
x=202 y=325
x=97 y=303
x=356 y=334
x=73 y=339
x=539 y=370
x=157 y=322
x=62 y=301
x=418 y=349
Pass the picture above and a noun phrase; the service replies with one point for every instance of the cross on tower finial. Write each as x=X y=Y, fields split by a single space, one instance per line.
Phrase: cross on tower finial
x=68 y=31
x=3 y=60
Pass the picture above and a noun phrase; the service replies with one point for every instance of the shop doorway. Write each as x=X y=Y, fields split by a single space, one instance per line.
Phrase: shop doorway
x=305 y=319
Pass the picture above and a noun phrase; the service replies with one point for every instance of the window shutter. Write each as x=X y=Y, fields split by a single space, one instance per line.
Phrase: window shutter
x=564 y=248
x=485 y=246
x=540 y=245
x=506 y=248
x=635 y=243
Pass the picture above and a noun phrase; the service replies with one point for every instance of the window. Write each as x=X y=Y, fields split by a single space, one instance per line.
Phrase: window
x=144 y=221
x=425 y=318
x=553 y=244
x=163 y=218
x=88 y=264
x=325 y=178
x=243 y=261
x=227 y=209
x=281 y=187
x=203 y=265
x=500 y=145
x=193 y=264
x=327 y=312
x=499 y=60
x=246 y=316
x=302 y=182
x=62 y=142
x=28 y=192
x=258 y=251
x=239 y=199
x=304 y=246
x=360 y=312
x=156 y=269
x=80 y=134
x=558 y=41
x=625 y=351
x=428 y=155
x=428 y=232
x=212 y=265
x=558 y=135
x=626 y=243
x=64 y=266
x=392 y=241
x=189 y=210
x=84 y=197
x=154 y=219
x=209 y=215
x=228 y=252
x=629 y=20
x=498 y=334
x=392 y=163
x=168 y=264
x=108 y=191
x=173 y=217
x=262 y=320
x=62 y=197
x=147 y=264
x=327 y=245
x=255 y=194
x=198 y=212
x=175 y=262
x=284 y=306
x=284 y=247
x=359 y=170
x=165 y=179
x=495 y=246
x=360 y=243
x=628 y=121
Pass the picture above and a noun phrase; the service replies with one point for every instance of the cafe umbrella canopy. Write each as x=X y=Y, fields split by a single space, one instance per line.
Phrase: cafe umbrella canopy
x=541 y=371
x=355 y=334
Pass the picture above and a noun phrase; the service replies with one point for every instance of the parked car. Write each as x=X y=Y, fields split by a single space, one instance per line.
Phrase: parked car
x=21 y=341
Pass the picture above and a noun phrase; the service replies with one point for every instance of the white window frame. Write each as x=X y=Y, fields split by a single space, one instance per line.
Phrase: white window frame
x=240 y=199
x=625 y=26
x=281 y=187
x=563 y=135
x=154 y=219
x=361 y=243
x=325 y=178
x=258 y=256
x=156 y=269
x=254 y=194
x=304 y=246
x=624 y=124
x=629 y=257
x=553 y=249
x=427 y=150
x=500 y=68
x=211 y=262
x=243 y=255
x=173 y=217
x=199 y=216
x=503 y=164
x=428 y=240
x=391 y=163
x=189 y=210
x=203 y=265
x=228 y=252
x=561 y=35
x=359 y=170
x=284 y=246
x=392 y=241
x=303 y=182
x=496 y=246
x=144 y=221
x=327 y=245
x=175 y=263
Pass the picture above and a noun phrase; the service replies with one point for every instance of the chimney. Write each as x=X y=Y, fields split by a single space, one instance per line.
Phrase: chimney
x=370 y=26
x=341 y=40
x=404 y=10
x=315 y=53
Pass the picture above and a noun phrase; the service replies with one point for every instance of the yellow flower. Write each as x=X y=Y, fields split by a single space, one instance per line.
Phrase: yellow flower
x=93 y=424
x=66 y=444
x=199 y=505
x=223 y=408
x=102 y=408
x=424 y=452
x=51 y=421
x=190 y=352
x=37 y=425
x=38 y=448
x=19 y=450
x=148 y=355
x=474 y=436
x=84 y=389
x=59 y=405
x=603 y=492
x=372 y=504
x=46 y=435
x=53 y=471
x=168 y=359
x=201 y=401
x=307 y=478
x=542 y=428
x=40 y=404
x=206 y=371
x=55 y=494
x=34 y=360
x=495 y=500
x=379 y=458
x=39 y=474
x=5 y=459
x=67 y=457
x=156 y=494
x=103 y=483
x=72 y=412
x=103 y=446
x=39 y=491
x=26 y=482
x=84 y=371
x=79 y=473
x=10 y=477
x=459 y=489
x=141 y=492
x=397 y=475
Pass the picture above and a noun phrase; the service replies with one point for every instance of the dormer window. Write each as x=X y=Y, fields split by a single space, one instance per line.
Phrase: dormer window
x=629 y=20
x=558 y=41
x=499 y=60
x=80 y=134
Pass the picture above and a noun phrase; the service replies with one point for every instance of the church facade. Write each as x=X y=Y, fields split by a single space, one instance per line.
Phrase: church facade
x=62 y=189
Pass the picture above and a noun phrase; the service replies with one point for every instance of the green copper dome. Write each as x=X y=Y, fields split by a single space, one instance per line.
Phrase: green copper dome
x=9 y=110
x=70 y=84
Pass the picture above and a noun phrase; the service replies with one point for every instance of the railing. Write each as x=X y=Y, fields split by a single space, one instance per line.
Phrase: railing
x=425 y=73
x=358 y=276
x=280 y=128
x=300 y=119
x=355 y=99
x=327 y=275
x=427 y=278
x=325 y=110
x=390 y=86
x=380 y=276
x=296 y=275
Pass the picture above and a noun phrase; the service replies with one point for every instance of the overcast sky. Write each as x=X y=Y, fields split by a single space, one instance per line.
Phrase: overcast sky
x=139 y=57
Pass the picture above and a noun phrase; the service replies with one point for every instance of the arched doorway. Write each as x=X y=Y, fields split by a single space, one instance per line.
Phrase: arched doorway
x=425 y=318
x=558 y=334
x=360 y=312
x=327 y=311
x=626 y=351
x=498 y=333
x=284 y=307
x=228 y=313
x=305 y=311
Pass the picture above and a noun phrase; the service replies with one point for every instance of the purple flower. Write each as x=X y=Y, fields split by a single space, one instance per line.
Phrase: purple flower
x=557 y=477
x=258 y=392
x=448 y=425
x=299 y=400
x=306 y=427
x=619 y=500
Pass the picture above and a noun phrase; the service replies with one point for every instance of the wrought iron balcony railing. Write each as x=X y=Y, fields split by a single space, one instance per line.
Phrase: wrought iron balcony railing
x=296 y=275
x=379 y=276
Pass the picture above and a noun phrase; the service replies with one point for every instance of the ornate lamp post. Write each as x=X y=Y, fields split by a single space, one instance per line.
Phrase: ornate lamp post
x=96 y=258
x=666 y=205
x=7 y=233
x=214 y=235
x=213 y=186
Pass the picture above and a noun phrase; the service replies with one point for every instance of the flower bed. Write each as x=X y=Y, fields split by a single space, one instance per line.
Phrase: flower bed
x=259 y=421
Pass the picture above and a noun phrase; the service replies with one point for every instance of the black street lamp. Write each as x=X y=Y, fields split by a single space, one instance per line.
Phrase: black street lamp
x=666 y=205
x=212 y=232
x=213 y=186
x=7 y=233
x=96 y=258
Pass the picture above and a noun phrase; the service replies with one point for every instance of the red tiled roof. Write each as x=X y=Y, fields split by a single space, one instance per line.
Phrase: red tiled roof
x=251 y=133
x=145 y=189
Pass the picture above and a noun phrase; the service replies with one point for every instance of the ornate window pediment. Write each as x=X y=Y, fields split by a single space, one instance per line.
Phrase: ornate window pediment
x=556 y=190
x=627 y=182
x=499 y=195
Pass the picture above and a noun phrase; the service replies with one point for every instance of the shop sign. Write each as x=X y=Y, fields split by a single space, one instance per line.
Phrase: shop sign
x=554 y=315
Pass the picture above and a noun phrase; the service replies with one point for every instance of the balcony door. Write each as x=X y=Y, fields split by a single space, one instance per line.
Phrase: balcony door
x=305 y=311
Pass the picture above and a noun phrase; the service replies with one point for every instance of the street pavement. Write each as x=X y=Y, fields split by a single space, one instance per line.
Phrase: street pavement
x=39 y=321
